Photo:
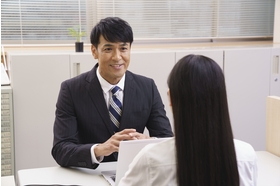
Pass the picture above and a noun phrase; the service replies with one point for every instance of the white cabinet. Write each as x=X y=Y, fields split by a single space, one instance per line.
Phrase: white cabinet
x=35 y=79
x=81 y=62
x=215 y=54
x=275 y=72
x=247 y=73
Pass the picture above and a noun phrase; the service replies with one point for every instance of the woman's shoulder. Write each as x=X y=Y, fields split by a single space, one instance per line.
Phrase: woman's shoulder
x=244 y=151
x=161 y=152
x=169 y=142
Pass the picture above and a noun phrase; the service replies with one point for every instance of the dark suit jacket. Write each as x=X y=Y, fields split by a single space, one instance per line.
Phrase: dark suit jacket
x=82 y=117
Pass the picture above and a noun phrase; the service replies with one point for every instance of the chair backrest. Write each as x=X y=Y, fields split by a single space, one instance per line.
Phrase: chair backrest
x=273 y=125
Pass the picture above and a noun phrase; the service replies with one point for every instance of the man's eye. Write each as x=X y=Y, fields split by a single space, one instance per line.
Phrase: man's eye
x=107 y=49
x=124 y=48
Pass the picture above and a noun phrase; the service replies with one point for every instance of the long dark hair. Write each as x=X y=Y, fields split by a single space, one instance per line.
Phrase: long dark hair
x=203 y=134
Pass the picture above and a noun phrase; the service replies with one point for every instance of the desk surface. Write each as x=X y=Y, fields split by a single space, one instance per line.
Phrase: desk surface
x=268 y=169
x=65 y=176
x=8 y=181
x=268 y=173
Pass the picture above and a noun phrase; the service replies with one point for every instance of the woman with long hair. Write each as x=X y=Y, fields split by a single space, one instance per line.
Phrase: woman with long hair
x=203 y=152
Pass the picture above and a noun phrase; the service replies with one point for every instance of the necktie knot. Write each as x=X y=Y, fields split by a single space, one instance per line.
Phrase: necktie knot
x=115 y=90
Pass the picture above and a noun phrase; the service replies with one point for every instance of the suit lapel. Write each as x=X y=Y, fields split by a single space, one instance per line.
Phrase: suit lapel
x=96 y=94
x=130 y=95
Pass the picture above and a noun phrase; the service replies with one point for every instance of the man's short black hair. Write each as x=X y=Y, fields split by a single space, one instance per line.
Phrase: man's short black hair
x=113 y=29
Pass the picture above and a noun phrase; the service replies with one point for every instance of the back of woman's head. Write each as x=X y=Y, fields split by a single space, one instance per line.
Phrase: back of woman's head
x=204 y=140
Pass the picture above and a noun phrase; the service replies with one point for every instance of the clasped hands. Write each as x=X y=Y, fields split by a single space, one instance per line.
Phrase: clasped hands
x=112 y=144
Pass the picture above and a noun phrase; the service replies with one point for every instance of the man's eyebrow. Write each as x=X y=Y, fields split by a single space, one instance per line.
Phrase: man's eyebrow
x=107 y=44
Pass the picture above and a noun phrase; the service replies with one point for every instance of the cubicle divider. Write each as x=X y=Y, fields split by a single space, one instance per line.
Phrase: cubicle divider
x=273 y=125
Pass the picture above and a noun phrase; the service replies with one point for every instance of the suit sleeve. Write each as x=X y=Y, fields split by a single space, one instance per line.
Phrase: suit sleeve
x=67 y=151
x=158 y=124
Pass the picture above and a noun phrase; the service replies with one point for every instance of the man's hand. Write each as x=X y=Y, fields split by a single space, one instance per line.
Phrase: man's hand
x=137 y=135
x=112 y=144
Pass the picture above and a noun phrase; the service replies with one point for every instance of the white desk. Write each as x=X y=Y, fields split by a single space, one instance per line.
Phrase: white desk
x=66 y=176
x=268 y=169
x=8 y=181
x=268 y=173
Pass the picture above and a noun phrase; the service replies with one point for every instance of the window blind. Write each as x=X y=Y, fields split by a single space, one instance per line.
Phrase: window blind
x=40 y=21
x=193 y=18
x=245 y=18
x=46 y=21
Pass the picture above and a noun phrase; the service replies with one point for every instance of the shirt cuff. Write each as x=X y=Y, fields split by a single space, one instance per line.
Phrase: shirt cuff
x=93 y=158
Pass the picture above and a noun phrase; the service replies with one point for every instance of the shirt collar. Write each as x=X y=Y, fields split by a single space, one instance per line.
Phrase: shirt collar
x=107 y=86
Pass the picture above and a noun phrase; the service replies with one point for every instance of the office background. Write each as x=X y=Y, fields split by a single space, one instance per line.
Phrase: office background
x=247 y=57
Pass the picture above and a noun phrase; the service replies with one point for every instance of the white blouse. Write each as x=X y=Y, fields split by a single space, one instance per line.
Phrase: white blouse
x=155 y=165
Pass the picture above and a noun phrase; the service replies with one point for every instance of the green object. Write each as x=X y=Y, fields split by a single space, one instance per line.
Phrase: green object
x=76 y=33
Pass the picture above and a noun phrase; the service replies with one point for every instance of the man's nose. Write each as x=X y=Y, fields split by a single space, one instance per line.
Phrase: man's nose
x=117 y=55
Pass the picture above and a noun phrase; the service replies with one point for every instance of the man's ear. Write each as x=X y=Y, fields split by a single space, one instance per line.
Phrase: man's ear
x=94 y=52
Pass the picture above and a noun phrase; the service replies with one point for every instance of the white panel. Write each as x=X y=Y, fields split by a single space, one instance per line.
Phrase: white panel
x=155 y=65
x=36 y=79
x=275 y=72
x=247 y=80
x=216 y=55
x=81 y=62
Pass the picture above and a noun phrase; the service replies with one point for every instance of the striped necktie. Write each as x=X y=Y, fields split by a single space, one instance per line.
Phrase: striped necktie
x=115 y=109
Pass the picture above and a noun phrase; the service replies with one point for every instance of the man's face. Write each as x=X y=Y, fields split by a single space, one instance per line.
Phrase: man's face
x=113 y=59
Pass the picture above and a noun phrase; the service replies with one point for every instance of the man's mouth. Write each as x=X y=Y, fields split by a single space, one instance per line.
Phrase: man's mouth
x=118 y=65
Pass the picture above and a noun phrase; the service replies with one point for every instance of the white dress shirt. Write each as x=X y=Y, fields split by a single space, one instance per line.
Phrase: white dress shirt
x=106 y=87
x=155 y=164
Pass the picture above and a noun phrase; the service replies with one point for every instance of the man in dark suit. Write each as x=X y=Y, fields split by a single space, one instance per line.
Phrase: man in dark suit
x=84 y=131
